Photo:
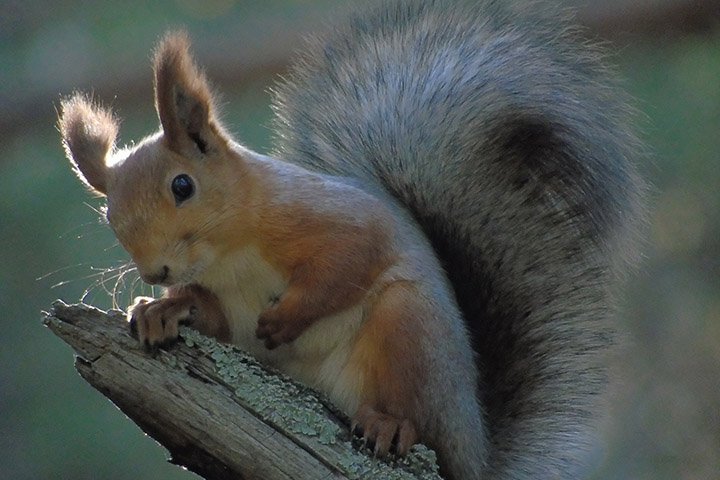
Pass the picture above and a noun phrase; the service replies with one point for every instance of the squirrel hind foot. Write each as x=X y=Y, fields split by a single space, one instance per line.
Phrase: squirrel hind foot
x=384 y=432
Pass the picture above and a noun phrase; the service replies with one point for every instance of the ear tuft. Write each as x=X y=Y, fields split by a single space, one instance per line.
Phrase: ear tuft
x=183 y=98
x=88 y=135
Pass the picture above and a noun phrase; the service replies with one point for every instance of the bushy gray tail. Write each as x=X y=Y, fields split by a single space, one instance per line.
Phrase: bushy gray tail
x=507 y=141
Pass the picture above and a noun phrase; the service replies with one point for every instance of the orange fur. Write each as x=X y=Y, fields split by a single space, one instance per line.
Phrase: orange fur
x=261 y=252
x=210 y=319
x=88 y=133
x=385 y=355
x=182 y=95
x=330 y=262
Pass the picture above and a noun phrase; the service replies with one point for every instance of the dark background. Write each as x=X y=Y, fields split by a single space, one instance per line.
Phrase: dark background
x=666 y=400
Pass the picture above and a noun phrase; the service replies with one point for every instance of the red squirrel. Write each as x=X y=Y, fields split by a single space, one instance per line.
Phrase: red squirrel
x=432 y=243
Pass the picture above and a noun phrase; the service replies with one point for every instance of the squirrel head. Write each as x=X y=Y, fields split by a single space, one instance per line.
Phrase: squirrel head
x=167 y=197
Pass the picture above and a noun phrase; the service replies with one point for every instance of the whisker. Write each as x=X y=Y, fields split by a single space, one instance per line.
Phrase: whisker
x=61 y=269
x=114 y=245
x=134 y=284
x=97 y=275
x=110 y=280
x=120 y=284
x=94 y=225
x=100 y=211
x=90 y=234
x=85 y=293
x=105 y=280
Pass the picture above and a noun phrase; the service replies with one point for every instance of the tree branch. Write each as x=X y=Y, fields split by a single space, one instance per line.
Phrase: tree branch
x=218 y=411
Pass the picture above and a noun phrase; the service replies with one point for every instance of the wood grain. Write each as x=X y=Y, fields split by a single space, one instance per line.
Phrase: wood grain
x=218 y=411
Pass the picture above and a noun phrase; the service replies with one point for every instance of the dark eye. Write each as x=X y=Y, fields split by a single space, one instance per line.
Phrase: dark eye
x=182 y=188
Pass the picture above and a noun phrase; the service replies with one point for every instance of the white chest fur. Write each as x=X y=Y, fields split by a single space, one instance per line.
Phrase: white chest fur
x=246 y=284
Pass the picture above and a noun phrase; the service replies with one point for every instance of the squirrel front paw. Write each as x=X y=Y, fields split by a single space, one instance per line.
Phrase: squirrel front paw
x=276 y=328
x=156 y=322
x=385 y=432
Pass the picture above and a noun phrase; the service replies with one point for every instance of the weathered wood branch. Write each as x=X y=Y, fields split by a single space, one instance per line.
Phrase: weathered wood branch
x=218 y=411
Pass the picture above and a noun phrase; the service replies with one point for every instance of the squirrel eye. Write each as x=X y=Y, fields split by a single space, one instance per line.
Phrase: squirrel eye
x=182 y=188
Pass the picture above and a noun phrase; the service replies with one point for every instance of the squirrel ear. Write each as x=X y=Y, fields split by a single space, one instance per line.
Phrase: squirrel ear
x=183 y=99
x=88 y=135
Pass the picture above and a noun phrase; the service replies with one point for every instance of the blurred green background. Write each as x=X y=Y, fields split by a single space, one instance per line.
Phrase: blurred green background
x=666 y=400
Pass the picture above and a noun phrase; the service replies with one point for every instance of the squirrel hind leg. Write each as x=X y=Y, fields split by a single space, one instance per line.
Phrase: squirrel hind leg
x=387 y=371
x=411 y=387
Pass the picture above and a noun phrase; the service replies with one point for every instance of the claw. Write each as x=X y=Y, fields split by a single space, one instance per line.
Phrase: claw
x=384 y=432
x=168 y=343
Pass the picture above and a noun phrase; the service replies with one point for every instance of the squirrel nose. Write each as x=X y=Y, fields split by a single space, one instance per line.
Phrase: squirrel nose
x=157 y=277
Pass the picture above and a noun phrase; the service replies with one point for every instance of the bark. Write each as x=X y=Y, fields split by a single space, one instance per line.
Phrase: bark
x=218 y=411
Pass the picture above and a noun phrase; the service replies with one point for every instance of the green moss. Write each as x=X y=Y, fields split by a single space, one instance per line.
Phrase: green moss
x=420 y=463
x=282 y=402
x=277 y=400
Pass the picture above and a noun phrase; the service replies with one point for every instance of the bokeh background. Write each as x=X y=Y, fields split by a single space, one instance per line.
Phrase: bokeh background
x=666 y=402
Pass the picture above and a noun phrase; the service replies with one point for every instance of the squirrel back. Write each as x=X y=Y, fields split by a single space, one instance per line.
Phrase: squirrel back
x=506 y=139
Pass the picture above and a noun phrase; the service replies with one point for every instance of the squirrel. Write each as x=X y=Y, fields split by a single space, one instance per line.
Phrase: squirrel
x=435 y=240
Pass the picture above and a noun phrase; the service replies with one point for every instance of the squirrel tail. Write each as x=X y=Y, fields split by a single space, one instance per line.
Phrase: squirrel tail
x=507 y=140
